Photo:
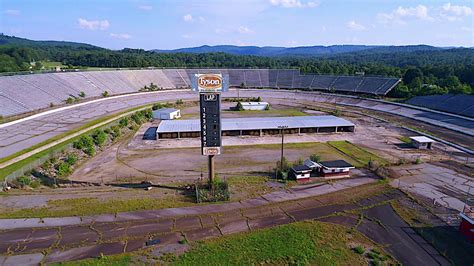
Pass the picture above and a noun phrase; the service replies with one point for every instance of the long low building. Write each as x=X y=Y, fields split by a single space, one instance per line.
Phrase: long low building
x=256 y=126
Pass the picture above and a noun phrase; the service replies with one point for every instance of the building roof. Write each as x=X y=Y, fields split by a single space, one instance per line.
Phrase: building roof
x=248 y=123
x=301 y=168
x=336 y=164
x=422 y=139
x=165 y=110
x=253 y=103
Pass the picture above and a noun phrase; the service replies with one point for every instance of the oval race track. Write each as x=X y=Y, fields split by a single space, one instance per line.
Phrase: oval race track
x=24 y=133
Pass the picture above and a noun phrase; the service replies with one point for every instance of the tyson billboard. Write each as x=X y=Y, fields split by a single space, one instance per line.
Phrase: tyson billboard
x=209 y=83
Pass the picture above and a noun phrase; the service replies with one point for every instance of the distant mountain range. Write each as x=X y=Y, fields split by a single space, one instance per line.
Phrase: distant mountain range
x=12 y=40
x=300 y=51
x=271 y=51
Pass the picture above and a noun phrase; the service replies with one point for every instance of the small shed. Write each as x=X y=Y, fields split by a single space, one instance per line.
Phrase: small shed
x=422 y=142
x=330 y=169
x=255 y=106
x=301 y=173
x=466 y=227
x=166 y=114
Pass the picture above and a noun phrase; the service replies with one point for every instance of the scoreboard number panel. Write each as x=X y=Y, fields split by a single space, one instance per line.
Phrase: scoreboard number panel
x=210 y=123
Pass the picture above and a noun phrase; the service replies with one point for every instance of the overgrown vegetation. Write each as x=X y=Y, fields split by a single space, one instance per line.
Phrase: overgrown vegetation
x=151 y=87
x=302 y=243
x=362 y=156
x=85 y=147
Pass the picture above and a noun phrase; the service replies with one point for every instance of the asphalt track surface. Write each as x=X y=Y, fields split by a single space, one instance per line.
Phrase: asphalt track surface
x=24 y=133
x=135 y=230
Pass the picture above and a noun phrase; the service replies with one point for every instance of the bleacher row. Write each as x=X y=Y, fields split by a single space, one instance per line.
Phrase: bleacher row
x=26 y=93
x=461 y=104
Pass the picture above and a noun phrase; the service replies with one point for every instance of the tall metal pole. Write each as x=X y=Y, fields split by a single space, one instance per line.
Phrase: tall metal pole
x=211 y=168
x=282 y=141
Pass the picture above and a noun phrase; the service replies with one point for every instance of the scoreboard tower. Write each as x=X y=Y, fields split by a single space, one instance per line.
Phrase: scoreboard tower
x=210 y=87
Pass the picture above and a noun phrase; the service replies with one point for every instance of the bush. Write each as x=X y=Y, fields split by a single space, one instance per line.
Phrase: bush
x=259 y=99
x=359 y=250
x=300 y=161
x=418 y=161
x=83 y=142
x=123 y=122
x=156 y=106
x=115 y=132
x=24 y=180
x=267 y=107
x=35 y=184
x=239 y=106
x=69 y=100
x=315 y=158
x=179 y=102
x=82 y=94
x=99 y=137
x=71 y=159
x=51 y=105
x=64 y=169
x=286 y=165
x=90 y=151
x=105 y=94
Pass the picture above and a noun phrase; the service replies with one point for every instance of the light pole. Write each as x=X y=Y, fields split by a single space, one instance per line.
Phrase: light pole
x=282 y=130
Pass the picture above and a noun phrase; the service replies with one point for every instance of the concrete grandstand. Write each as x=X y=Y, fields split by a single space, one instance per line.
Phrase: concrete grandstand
x=26 y=93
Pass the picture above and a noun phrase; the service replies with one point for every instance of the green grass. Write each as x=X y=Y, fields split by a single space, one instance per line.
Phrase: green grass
x=405 y=139
x=299 y=243
x=357 y=153
x=94 y=206
x=250 y=186
x=18 y=165
x=51 y=64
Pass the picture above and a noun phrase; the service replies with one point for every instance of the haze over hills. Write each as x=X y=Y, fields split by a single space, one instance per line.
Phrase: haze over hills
x=317 y=50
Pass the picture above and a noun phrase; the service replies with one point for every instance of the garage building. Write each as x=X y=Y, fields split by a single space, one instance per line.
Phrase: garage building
x=257 y=126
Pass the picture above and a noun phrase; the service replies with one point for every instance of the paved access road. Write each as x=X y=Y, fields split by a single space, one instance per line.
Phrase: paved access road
x=17 y=136
x=132 y=231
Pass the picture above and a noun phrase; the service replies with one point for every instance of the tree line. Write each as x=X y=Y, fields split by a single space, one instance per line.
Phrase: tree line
x=422 y=72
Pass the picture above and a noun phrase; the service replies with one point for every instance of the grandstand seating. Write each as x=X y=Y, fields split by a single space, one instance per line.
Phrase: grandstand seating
x=457 y=104
x=285 y=78
x=23 y=93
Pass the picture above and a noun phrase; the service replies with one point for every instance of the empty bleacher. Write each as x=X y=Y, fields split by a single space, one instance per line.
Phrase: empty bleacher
x=25 y=93
x=457 y=104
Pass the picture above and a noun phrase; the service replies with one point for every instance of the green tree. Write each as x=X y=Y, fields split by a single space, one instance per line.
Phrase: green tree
x=105 y=94
x=315 y=158
x=99 y=137
x=82 y=94
x=69 y=100
x=239 y=106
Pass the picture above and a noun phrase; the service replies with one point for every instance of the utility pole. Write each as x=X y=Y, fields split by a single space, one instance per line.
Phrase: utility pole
x=282 y=131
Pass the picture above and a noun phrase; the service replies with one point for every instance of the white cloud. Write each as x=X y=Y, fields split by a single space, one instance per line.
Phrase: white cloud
x=188 y=18
x=12 y=12
x=353 y=25
x=201 y=19
x=121 y=36
x=294 y=3
x=93 y=24
x=454 y=12
x=467 y=29
x=145 y=7
x=401 y=14
x=244 y=30
x=186 y=36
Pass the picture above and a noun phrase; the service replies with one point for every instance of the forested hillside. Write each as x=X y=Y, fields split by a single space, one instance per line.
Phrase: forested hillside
x=424 y=70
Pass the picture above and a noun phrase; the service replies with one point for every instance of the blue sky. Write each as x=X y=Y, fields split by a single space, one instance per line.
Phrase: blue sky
x=168 y=24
